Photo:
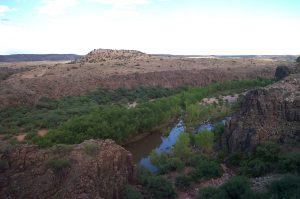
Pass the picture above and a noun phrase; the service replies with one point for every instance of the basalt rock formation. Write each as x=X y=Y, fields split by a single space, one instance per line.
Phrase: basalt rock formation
x=100 y=55
x=271 y=113
x=92 y=169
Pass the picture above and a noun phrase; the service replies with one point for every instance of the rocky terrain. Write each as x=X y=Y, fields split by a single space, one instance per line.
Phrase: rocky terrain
x=114 y=69
x=92 y=169
x=100 y=55
x=271 y=113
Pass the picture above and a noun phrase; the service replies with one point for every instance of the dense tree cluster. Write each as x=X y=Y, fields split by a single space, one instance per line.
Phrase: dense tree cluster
x=121 y=123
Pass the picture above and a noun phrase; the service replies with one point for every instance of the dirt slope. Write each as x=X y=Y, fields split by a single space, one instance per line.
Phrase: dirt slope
x=113 y=69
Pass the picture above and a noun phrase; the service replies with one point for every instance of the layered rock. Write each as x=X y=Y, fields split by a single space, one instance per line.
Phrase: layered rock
x=100 y=55
x=92 y=169
x=271 y=113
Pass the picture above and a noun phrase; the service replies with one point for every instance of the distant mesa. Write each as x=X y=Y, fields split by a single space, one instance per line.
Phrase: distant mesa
x=100 y=55
x=38 y=57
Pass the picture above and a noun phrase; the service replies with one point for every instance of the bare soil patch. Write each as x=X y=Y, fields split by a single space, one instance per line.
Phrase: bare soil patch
x=21 y=137
x=42 y=132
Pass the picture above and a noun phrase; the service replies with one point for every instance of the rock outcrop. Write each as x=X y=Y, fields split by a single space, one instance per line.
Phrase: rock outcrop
x=271 y=113
x=100 y=55
x=282 y=72
x=92 y=169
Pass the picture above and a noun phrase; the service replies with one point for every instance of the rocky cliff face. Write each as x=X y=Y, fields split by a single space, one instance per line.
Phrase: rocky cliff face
x=271 y=113
x=92 y=169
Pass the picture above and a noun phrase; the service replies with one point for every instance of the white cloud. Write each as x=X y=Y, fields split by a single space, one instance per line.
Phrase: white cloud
x=4 y=9
x=184 y=32
x=55 y=7
x=120 y=3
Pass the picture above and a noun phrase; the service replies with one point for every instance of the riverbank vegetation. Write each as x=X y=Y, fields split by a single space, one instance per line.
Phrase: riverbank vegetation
x=121 y=123
x=239 y=187
x=192 y=160
x=49 y=113
x=184 y=173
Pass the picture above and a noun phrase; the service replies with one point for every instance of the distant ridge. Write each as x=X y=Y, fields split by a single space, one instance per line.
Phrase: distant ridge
x=38 y=57
x=272 y=57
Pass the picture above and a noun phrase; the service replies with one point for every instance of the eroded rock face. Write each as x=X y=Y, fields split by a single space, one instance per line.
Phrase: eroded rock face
x=95 y=172
x=271 y=113
x=100 y=55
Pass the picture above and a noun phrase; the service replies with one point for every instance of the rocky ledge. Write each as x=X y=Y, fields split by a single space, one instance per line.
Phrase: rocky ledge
x=92 y=169
x=271 y=113
x=100 y=55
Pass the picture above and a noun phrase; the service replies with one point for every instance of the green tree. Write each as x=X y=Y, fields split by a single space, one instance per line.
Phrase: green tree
x=298 y=59
x=204 y=141
x=160 y=188
x=181 y=148
x=287 y=187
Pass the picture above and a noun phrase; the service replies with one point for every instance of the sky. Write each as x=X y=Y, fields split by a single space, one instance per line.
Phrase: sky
x=185 y=27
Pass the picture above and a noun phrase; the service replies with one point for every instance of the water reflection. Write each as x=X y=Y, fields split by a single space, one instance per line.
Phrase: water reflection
x=161 y=144
x=165 y=146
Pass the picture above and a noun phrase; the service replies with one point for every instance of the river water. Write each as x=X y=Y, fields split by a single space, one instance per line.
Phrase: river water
x=161 y=144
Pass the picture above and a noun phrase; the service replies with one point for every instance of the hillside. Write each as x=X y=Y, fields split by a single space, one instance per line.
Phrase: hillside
x=38 y=57
x=114 y=69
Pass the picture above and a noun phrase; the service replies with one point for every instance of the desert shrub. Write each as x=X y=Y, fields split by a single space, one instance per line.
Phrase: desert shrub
x=262 y=161
x=90 y=149
x=172 y=164
x=182 y=149
x=160 y=188
x=13 y=141
x=165 y=164
x=196 y=159
x=158 y=159
x=61 y=149
x=287 y=187
x=7 y=136
x=211 y=193
x=183 y=182
x=57 y=165
x=205 y=169
x=290 y=163
x=4 y=76
x=196 y=113
x=30 y=135
x=268 y=151
x=235 y=159
x=256 y=168
x=204 y=141
x=128 y=192
x=236 y=187
x=218 y=130
x=143 y=174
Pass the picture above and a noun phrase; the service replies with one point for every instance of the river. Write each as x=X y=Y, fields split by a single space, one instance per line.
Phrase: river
x=142 y=148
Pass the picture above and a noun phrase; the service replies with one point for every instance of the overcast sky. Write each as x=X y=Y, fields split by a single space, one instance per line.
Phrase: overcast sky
x=206 y=27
